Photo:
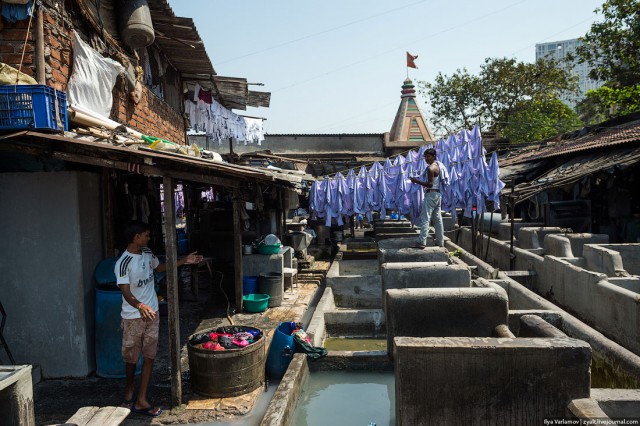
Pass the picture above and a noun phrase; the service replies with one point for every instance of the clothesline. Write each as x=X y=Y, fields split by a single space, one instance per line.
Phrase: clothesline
x=429 y=145
x=466 y=185
x=333 y=175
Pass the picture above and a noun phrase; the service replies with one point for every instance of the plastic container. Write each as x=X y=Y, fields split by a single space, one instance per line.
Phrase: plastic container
x=281 y=351
x=232 y=372
x=33 y=107
x=109 y=361
x=249 y=284
x=269 y=248
x=255 y=302
x=272 y=283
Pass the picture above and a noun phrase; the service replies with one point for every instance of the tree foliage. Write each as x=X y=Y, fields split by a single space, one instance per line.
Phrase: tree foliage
x=611 y=46
x=607 y=102
x=502 y=88
x=540 y=119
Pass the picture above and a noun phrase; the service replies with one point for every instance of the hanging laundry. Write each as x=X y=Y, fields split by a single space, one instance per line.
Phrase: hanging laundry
x=468 y=182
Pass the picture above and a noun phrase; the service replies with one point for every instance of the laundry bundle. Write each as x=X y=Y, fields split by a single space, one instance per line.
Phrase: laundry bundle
x=226 y=338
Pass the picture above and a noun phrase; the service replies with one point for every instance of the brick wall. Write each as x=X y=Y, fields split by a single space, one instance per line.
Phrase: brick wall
x=151 y=116
x=12 y=38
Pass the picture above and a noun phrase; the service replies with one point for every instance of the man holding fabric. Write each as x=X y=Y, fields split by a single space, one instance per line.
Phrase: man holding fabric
x=432 y=201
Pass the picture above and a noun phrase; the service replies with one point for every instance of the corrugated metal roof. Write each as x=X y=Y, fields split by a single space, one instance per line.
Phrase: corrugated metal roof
x=178 y=38
x=598 y=138
x=86 y=150
x=573 y=170
x=325 y=134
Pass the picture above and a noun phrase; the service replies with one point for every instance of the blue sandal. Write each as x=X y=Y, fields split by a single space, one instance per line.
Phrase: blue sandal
x=149 y=411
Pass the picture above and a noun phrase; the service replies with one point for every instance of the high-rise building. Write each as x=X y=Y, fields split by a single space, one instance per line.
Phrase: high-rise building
x=559 y=50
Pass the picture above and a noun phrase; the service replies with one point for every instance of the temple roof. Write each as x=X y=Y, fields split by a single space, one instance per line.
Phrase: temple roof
x=409 y=126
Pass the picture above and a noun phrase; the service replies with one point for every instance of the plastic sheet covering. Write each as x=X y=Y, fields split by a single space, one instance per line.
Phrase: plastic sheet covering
x=93 y=79
x=8 y=76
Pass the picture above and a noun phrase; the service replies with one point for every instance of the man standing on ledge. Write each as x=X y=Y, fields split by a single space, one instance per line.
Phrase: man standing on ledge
x=140 y=319
x=432 y=201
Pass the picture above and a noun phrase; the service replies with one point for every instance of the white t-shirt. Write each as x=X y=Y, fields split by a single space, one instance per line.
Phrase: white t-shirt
x=137 y=271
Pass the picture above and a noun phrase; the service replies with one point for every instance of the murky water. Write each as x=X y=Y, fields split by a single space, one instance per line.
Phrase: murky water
x=347 y=398
x=606 y=375
x=355 y=344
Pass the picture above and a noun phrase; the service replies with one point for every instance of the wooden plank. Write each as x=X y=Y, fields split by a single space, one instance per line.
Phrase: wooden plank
x=172 y=290
x=83 y=415
x=108 y=232
x=109 y=416
x=122 y=165
x=237 y=247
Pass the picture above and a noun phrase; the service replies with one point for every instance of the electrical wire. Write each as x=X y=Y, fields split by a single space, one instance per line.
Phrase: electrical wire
x=225 y=296
x=321 y=32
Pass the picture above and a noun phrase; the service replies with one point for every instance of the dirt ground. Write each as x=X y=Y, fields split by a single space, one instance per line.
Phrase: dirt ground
x=56 y=401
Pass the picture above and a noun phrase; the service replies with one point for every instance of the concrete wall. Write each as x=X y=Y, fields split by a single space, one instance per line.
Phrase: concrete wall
x=359 y=323
x=303 y=143
x=424 y=275
x=360 y=289
x=429 y=254
x=622 y=361
x=630 y=255
x=488 y=381
x=578 y=240
x=16 y=396
x=499 y=254
x=532 y=237
x=51 y=242
x=557 y=245
x=612 y=309
x=472 y=312
x=504 y=229
x=602 y=259
x=397 y=243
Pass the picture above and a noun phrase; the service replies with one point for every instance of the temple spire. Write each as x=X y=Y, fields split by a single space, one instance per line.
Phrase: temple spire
x=409 y=128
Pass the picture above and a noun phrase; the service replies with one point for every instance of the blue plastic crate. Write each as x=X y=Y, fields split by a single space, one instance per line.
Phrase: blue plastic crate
x=32 y=107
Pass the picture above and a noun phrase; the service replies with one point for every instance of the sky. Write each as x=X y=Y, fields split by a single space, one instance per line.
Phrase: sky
x=337 y=66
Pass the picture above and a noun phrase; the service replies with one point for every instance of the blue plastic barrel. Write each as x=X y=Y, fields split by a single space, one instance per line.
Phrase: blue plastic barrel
x=108 y=333
x=249 y=285
x=281 y=350
x=183 y=247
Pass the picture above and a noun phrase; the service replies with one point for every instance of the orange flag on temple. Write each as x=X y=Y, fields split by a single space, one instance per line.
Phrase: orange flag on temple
x=410 y=60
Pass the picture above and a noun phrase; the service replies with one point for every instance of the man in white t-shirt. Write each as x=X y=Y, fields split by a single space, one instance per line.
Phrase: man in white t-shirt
x=140 y=320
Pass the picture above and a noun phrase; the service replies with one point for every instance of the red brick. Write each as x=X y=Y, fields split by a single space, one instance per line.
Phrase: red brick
x=13 y=34
x=50 y=19
x=6 y=48
x=55 y=54
x=15 y=58
x=53 y=42
x=64 y=70
x=58 y=76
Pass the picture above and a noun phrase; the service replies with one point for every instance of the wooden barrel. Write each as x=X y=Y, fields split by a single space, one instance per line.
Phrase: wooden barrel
x=136 y=27
x=231 y=372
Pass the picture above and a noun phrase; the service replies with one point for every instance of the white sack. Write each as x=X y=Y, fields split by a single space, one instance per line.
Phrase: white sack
x=92 y=79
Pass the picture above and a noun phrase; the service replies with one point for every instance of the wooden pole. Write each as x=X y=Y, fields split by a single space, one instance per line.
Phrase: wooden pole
x=512 y=213
x=481 y=227
x=108 y=232
x=237 y=248
x=486 y=253
x=170 y=240
x=231 y=154
x=40 y=72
